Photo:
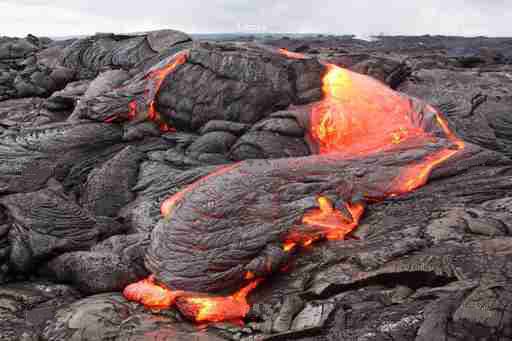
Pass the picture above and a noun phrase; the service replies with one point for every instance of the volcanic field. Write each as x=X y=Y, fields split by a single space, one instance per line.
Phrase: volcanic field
x=153 y=187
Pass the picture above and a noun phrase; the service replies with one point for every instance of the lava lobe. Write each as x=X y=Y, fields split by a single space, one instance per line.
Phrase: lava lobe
x=247 y=220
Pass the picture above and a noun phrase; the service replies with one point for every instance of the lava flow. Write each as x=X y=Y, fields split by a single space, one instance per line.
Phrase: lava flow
x=327 y=222
x=195 y=306
x=151 y=294
x=203 y=308
x=157 y=77
x=358 y=116
x=415 y=176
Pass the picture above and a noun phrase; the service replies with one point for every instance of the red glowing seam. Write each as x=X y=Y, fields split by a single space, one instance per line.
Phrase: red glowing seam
x=156 y=78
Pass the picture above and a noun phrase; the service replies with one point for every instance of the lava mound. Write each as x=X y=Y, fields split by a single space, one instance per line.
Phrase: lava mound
x=367 y=142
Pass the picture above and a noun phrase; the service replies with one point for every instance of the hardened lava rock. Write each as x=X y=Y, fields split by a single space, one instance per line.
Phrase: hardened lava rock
x=31 y=157
x=236 y=82
x=48 y=222
x=89 y=56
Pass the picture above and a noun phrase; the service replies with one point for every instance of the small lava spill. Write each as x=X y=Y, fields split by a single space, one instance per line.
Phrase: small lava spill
x=197 y=307
x=329 y=223
x=358 y=116
x=151 y=294
x=415 y=176
x=206 y=308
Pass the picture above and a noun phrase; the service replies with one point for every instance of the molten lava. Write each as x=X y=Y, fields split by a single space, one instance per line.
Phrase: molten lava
x=327 y=222
x=194 y=306
x=357 y=117
x=150 y=294
x=157 y=77
x=216 y=308
x=335 y=224
x=415 y=176
x=360 y=116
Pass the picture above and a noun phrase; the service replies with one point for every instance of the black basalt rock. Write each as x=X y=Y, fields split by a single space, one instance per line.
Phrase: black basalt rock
x=108 y=188
x=48 y=222
x=29 y=158
x=233 y=82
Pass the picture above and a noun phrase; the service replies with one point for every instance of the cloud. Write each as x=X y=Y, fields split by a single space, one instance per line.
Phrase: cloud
x=364 y=17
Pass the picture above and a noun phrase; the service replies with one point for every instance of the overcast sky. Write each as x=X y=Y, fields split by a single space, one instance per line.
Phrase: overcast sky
x=362 y=17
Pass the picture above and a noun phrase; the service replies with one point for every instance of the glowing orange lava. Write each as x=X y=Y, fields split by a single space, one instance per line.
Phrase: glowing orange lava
x=150 y=294
x=359 y=115
x=415 y=176
x=216 y=308
x=328 y=222
x=155 y=79
x=194 y=306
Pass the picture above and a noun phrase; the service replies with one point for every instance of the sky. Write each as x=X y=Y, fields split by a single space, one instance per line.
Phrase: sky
x=361 y=17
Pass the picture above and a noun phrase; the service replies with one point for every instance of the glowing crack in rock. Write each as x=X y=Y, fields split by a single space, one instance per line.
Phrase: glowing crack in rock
x=154 y=80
